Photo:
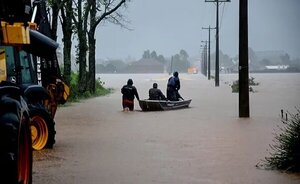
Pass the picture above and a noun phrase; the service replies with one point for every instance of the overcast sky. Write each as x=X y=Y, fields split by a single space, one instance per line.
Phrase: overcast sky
x=167 y=26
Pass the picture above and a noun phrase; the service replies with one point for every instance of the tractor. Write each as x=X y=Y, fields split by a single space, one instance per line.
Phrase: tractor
x=31 y=87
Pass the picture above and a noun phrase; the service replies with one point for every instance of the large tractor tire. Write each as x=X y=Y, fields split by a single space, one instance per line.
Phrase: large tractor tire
x=42 y=127
x=15 y=143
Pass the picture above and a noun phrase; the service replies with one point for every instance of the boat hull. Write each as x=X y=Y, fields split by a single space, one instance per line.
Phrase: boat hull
x=161 y=105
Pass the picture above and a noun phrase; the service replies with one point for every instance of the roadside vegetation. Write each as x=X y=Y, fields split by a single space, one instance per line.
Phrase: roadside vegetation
x=285 y=150
x=235 y=85
x=76 y=95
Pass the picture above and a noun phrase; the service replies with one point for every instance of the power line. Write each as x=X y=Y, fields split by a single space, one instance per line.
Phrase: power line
x=217 y=38
x=222 y=14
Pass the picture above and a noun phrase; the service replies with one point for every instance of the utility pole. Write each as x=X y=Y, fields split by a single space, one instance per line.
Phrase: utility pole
x=217 y=39
x=208 y=62
x=243 y=61
x=171 y=67
x=205 y=57
x=204 y=60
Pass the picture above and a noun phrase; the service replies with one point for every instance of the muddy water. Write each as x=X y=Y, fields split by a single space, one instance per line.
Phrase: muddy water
x=206 y=143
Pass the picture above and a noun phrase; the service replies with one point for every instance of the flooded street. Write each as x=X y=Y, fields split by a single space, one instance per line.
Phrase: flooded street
x=205 y=144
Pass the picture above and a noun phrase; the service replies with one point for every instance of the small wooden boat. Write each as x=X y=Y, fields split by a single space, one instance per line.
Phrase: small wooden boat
x=161 y=105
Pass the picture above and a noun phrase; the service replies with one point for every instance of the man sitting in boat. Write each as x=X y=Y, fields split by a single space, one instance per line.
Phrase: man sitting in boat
x=173 y=87
x=155 y=93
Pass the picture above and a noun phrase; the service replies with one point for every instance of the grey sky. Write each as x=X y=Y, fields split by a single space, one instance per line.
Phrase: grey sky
x=167 y=26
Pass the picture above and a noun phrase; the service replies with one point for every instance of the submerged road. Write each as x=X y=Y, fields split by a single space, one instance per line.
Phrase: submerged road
x=205 y=144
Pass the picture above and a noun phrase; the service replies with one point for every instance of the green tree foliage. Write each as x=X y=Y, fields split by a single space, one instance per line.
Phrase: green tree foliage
x=89 y=14
x=66 y=13
x=76 y=94
x=235 y=85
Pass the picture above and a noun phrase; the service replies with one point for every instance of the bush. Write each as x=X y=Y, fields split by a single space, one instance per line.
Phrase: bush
x=235 y=85
x=75 y=95
x=252 y=82
x=285 y=153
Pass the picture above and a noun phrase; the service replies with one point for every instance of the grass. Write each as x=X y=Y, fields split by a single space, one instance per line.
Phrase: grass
x=76 y=96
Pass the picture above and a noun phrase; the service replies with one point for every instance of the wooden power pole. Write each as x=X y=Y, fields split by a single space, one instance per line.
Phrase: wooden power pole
x=243 y=61
x=217 y=39
x=208 y=61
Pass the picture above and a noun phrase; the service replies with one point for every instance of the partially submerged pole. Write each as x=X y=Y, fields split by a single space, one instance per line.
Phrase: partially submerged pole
x=243 y=61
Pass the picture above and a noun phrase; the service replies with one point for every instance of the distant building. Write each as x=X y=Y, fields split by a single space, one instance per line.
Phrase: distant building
x=277 y=67
x=147 y=65
x=274 y=56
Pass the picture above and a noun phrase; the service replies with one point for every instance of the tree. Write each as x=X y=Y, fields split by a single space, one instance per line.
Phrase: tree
x=161 y=59
x=153 y=55
x=67 y=28
x=179 y=64
x=225 y=60
x=80 y=23
x=253 y=61
x=65 y=8
x=54 y=4
x=183 y=55
x=108 y=11
x=184 y=59
x=86 y=18
x=146 y=54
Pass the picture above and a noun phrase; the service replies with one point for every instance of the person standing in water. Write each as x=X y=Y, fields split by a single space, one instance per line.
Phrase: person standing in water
x=129 y=92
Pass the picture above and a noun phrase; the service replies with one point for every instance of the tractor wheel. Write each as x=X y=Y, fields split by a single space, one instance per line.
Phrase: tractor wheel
x=16 y=149
x=42 y=128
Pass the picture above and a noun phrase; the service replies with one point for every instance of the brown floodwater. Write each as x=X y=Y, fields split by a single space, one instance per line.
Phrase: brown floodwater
x=206 y=143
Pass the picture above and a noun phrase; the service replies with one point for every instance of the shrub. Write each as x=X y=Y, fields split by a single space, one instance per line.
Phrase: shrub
x=235 y=85
x=75 y=95
x=285 y=149
x=252 y=82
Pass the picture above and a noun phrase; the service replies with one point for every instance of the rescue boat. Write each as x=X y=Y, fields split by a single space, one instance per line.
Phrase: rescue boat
x=162 y=105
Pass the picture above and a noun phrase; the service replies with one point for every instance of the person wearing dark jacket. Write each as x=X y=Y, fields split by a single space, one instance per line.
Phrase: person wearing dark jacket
x=173 y=88
x=155 y=93
x=129 y=92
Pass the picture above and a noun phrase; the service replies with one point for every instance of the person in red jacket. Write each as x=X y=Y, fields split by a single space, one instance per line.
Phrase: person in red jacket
x=129 y=92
